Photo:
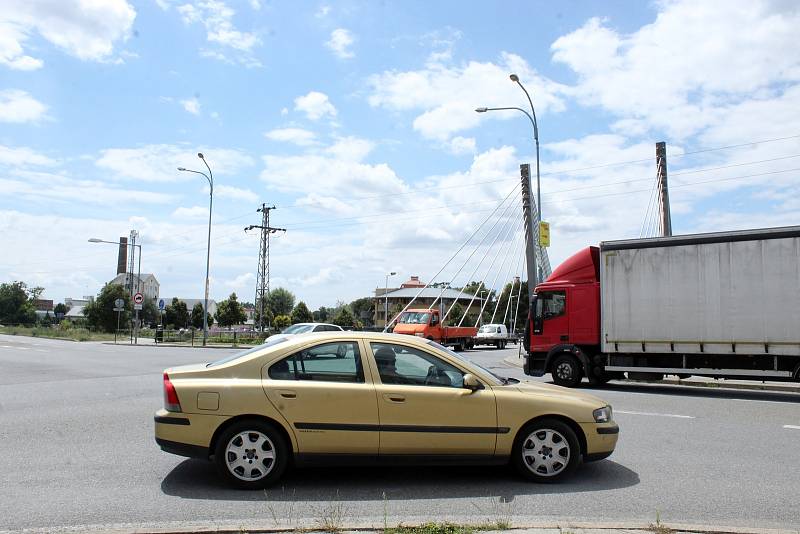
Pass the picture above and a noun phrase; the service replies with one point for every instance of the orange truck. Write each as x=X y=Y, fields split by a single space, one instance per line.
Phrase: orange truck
x=426 y=323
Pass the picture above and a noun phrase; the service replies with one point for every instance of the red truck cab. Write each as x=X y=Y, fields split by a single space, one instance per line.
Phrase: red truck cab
x=563 y=330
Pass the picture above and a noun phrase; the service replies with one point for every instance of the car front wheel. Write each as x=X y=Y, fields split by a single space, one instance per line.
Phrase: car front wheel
x=546 y=451
x=251 y=455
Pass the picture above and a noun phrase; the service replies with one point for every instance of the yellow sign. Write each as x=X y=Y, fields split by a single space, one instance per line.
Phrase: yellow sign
x=544 y=234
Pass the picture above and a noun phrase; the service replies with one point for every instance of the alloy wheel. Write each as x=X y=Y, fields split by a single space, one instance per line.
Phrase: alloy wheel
x=546 y=452
x=250 y=455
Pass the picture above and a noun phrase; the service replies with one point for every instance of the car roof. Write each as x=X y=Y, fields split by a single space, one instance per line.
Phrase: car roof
x=315 y=324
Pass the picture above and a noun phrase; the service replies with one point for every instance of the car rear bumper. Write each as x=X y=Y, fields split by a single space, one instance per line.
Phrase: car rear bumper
x=183 y=449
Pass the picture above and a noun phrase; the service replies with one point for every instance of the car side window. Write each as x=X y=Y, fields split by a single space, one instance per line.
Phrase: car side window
x=328 y=362
x=399 y=364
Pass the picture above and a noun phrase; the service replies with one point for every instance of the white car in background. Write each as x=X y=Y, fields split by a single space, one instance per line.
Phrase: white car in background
x=492 y=334
x=304 y=328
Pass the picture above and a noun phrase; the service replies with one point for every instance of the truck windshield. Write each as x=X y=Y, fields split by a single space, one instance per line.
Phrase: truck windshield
x=487 y=328
x=415 y=318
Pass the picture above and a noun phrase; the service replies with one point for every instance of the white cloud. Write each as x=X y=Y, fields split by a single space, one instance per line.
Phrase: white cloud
x=233 y=193
x=191 y=105
x=23 y=157
x=447 y=96
x=217 y=18
x=18 y=106
x=323 y=11
x=159 y=163
x=350 y=148
x=85 y=29
x=315 y=105
x=340 y=42
x=195 y=212
x=462 y=145
x=677 y=72
x=297 y=136
x=245 y=281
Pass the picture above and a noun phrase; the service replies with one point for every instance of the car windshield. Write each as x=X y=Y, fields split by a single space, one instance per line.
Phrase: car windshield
x=298 y=329
x=499 y=380
x=415 y=318
x=270 y=342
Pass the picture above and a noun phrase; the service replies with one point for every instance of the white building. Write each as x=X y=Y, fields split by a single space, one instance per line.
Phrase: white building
x=149 y=286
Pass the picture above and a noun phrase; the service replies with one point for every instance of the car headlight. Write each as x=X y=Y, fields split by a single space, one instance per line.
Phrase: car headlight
x=602 y=415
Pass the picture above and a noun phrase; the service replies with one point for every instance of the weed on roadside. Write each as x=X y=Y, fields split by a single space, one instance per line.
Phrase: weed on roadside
x=444 y=528
x=658 y=527
x=331 y=517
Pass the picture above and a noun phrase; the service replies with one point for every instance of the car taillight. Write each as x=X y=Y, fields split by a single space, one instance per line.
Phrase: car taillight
x=171 y=402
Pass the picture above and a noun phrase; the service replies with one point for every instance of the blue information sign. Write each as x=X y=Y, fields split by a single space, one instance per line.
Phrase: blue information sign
x=160 y=304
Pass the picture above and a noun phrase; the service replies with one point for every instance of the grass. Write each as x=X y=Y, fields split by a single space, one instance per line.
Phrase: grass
x=445 y=528
x=658 y=527
x=75 y=334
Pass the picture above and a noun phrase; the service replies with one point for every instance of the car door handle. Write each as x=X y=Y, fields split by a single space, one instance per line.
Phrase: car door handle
x=394 y=397
x=287 y=394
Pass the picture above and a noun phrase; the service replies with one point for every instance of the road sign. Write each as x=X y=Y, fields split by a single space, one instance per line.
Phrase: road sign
x=161 y=304
x=119 y=303
x=544 y=234
x=137 y=306
x=138 y=298
x=119 y=309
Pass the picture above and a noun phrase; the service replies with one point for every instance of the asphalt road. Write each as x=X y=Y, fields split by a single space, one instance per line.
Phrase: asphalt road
x=77 y=450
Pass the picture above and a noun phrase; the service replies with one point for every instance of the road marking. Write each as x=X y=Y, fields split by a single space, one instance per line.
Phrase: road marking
x=656 y=414
x=793 y=427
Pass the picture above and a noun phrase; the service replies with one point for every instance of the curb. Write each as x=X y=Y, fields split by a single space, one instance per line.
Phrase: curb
x=369 y=527
x=167 y=345
x=716 y=384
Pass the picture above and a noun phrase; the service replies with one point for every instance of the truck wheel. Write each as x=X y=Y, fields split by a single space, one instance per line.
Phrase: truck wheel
x=546 y=450
x=497 y=344
x=502 y=344
x=566 y=371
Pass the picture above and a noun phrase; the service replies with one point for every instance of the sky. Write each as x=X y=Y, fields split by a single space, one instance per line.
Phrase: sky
x=356 y=121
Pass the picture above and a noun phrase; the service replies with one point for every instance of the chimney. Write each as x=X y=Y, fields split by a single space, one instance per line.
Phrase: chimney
x=122 y=258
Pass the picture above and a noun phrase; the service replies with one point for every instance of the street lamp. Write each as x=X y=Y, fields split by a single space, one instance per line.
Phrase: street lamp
x=513 y=319
x=532 y=117
x=138 y=276
x=386 y=299
x=210 y=178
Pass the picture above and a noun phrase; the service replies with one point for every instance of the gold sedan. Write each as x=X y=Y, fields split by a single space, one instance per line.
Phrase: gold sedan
x=343 y=397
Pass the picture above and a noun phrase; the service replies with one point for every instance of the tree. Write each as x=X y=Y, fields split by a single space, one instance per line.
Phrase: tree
x=15 y=306
x=321 y=315
x=364 y=310
x=455 y=314
x=344 y=318
x=301 y=314
x=197 y=316
x=282 y=321
x=177 y=314
x=230 y=312
x=268 y=315
x=60 y=308
x=100 y=313
x=149 y=314
x=281 y=301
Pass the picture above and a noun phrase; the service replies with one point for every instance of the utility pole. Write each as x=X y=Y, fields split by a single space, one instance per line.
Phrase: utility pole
x=661 y=163
x=132 y=242
x=262 y=276
x=530 y=235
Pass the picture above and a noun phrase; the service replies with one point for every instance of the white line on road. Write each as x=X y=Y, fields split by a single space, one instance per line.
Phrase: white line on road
x=793 y=427
x=656 y=414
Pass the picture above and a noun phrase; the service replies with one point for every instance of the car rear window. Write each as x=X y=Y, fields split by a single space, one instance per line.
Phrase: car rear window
x=270 y=342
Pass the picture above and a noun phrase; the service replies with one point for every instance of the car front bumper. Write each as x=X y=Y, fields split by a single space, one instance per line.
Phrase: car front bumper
x=601 y=439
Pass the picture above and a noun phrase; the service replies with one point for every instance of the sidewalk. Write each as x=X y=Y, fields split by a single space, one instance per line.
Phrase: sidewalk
x=699 y=381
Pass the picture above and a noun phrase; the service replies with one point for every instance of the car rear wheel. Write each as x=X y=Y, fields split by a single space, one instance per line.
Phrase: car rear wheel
x=251 y=455
x=546 y=451
x=567 y=371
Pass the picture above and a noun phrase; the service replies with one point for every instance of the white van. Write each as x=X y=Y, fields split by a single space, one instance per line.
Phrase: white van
x=492 y=334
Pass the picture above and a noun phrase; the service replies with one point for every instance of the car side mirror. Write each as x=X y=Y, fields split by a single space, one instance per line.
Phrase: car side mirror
x=471 y=382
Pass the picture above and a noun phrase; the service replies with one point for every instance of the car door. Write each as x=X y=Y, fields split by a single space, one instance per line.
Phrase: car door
x=423 y=407
x=327 y=395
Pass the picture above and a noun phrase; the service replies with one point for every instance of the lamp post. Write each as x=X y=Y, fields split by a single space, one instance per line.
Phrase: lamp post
x=532 y=117
x=513 y=322
x=138 y=277
x=210 y=178
x=386 y=299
